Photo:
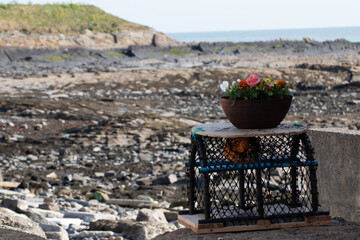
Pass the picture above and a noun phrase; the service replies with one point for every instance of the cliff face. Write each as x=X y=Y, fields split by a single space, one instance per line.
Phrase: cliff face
x=71 y=25
x=97 y=40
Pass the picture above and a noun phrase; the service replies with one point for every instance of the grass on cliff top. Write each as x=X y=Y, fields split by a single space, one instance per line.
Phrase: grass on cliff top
x=60 y=18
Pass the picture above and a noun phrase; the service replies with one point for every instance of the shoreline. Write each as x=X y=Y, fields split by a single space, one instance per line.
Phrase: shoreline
x=20 y=63
x=76 y=123
x=316 y=34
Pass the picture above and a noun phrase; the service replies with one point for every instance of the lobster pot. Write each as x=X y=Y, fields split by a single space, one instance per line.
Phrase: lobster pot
x=239 y=180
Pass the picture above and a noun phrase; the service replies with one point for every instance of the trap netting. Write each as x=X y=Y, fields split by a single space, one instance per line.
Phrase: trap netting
x=241 y=180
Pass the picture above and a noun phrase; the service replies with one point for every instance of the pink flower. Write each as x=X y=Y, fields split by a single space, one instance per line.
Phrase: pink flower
x=262 y=80
x=268 y=87
x=253 y=80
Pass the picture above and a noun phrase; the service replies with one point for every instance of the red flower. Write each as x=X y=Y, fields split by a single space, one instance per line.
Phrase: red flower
x=243 y=84
x=280 y=83
x=253 y=80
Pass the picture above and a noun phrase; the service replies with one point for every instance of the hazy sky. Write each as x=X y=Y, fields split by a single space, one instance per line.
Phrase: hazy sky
x=211 y=15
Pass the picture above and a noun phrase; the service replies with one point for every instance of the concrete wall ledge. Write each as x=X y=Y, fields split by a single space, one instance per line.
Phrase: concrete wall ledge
x=338 y=153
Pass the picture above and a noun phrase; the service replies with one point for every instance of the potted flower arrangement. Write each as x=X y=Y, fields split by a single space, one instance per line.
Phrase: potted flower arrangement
x=255 y=103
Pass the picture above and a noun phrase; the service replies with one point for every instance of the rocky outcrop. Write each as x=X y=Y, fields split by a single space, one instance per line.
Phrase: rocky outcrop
x=89 y=39
x=98 y=134
x=18 y=226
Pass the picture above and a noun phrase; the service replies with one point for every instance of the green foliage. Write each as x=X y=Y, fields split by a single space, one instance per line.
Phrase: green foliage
x=180 y=52
x=24 y=30
x=60 y=18
x=280 y=91
x=262 y=91
x=68 y=56
x=115 y=54
x=53 y=58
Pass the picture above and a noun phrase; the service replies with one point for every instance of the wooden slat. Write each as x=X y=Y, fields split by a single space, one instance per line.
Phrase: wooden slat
x=191 y=222
x=227 y=130
x=9 y=184
x=264 y=222
x=210 y=225
x=318 y=220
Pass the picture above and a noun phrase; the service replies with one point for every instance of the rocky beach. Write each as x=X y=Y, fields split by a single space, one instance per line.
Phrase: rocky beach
x=104 y=133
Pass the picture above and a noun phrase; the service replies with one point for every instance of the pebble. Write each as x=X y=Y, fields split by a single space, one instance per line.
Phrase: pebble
x=96 y=149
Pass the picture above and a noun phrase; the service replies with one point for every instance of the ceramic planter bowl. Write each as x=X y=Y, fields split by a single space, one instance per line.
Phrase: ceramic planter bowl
x=256 y=114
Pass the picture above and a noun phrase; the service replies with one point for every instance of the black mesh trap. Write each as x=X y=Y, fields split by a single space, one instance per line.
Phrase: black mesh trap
x=241 y=180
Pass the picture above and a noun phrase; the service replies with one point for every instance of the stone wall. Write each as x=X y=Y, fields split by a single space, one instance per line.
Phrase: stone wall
x=338 y=153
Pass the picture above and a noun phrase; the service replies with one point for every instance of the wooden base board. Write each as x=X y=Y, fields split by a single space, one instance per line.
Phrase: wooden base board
x=191 y=221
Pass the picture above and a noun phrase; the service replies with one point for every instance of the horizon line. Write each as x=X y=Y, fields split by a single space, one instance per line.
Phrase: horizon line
x=270 y=29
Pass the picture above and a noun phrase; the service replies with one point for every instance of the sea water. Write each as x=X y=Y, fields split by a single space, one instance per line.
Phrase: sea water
x=351 y=34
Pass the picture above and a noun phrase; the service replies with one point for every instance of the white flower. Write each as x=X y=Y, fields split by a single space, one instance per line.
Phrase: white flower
x=233 y=82
x=238 y=80
x=224 y=86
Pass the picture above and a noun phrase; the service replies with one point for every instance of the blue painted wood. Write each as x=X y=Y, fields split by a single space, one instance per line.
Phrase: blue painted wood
x=227 y=162
x=211 y=169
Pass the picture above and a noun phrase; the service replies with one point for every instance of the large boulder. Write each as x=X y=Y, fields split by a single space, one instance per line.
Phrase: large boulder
x=51 y=229
x=18 y=226
x=131 y=229
x=152 y=216
x=162 y=40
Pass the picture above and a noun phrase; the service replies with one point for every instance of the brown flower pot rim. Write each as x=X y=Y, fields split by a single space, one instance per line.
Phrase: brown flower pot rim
x=261 y=99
